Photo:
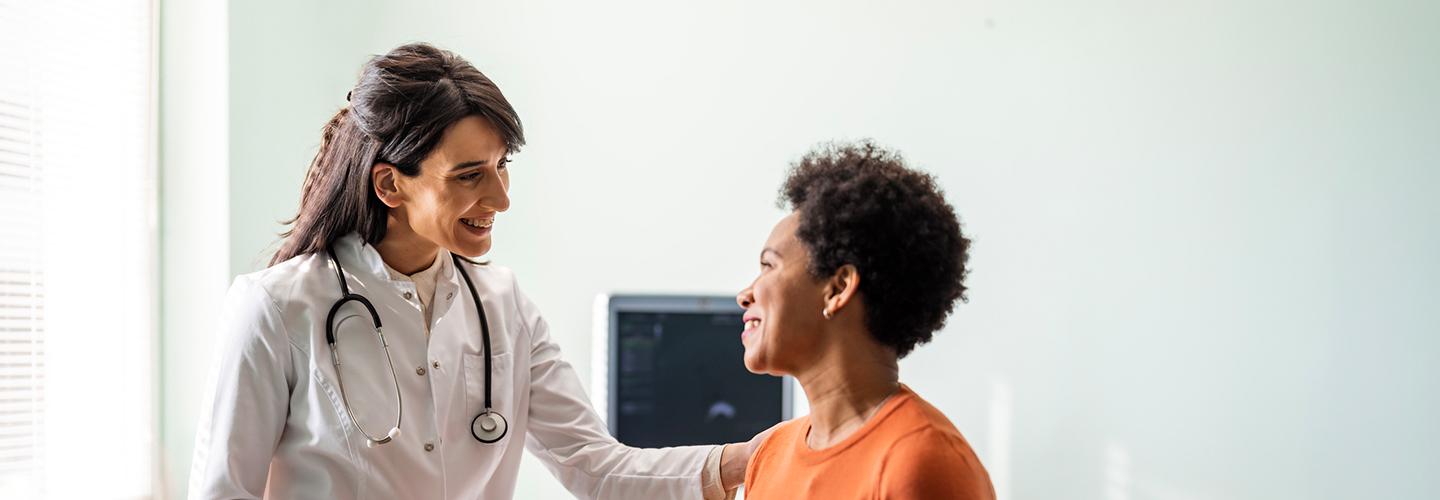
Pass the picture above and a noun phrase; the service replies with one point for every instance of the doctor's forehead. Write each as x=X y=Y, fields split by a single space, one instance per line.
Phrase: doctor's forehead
x=471 y=141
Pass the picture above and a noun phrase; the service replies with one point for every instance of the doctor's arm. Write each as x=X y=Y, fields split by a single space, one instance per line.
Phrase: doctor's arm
x=572 y=441
x=247 y=399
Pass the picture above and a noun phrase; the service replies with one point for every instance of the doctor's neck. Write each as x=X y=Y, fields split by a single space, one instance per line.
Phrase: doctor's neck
x=405 y=250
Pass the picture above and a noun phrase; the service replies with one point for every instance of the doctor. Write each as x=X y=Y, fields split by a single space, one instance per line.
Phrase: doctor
x=375 y=358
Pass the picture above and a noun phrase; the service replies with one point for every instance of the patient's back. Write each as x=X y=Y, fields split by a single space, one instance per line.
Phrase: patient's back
x=908 y=450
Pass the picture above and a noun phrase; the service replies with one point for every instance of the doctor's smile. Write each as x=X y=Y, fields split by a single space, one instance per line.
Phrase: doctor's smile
x=479 y=227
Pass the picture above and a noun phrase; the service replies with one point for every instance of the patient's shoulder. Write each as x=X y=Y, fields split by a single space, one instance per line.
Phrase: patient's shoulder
x=933 y=462
x=928 y=457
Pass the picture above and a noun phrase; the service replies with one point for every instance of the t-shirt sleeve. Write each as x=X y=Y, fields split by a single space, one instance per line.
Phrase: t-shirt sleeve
x=929 y=464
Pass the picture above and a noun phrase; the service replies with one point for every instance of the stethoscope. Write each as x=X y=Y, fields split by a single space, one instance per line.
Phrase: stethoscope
x=487 y=427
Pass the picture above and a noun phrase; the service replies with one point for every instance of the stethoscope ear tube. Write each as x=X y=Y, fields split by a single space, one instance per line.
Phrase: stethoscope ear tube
x=346 y=296
x=371 y=443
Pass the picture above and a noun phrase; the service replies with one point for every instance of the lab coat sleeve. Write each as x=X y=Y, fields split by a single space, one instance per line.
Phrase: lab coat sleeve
x=572 y=441
x=244 y=409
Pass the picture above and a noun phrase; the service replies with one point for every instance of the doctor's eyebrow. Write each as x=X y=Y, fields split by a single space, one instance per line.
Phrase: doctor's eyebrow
x=468 y=164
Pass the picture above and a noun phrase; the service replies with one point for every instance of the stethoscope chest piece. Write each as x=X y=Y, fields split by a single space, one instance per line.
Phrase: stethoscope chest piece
x=488 y=427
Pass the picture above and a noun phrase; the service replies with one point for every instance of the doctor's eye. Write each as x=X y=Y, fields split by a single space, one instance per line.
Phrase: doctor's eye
x=470 y=176
x=504 y=164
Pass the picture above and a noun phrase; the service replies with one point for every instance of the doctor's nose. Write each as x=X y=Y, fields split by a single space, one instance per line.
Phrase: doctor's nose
x=496 y=197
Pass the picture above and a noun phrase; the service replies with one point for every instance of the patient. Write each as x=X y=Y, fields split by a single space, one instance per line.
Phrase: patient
x=866 y=267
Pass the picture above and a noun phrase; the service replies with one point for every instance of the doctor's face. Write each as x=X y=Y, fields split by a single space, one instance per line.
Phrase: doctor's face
x=782 y=306
x=461 y=187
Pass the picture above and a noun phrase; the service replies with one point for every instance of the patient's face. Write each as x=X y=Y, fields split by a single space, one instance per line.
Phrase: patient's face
x=782 y=306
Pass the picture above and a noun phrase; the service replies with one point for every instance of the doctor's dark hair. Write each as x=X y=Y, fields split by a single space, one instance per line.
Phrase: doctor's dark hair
x=859 y=204
x=398 y=111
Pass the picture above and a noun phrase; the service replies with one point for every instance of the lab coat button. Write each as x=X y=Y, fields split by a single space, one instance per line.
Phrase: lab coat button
x=408 y=295
x=450 y=295
x=435 y=365
x=420 y=371
x=429 y=446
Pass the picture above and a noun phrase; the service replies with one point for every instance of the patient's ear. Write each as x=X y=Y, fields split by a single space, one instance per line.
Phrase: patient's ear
x=383 y=177
x=841 y=288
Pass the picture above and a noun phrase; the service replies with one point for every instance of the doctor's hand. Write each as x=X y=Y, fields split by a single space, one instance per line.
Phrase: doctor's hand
x=735 y=457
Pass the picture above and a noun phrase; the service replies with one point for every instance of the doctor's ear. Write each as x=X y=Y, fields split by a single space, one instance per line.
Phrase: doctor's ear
x=383 y=177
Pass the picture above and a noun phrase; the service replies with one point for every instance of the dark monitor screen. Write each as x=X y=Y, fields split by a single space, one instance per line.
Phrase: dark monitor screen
x=679 y=378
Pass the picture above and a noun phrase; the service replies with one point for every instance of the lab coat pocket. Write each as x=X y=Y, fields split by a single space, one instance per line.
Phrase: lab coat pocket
x=502 y=393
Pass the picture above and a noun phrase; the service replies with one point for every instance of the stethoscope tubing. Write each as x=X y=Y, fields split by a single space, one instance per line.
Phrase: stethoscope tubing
x=497 y=426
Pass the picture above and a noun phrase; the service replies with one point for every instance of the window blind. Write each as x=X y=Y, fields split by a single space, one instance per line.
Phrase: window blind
x=77 y=240
x=22 y=308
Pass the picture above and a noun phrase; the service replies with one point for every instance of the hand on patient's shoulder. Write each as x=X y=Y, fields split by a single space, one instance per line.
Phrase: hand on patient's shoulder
x=755 y=442
x=735 y=459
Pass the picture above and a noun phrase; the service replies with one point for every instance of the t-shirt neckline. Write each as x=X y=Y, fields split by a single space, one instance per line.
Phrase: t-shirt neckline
x=805 y=453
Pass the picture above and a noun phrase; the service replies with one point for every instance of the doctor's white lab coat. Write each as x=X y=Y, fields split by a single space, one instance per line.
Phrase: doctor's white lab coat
x=273 y=422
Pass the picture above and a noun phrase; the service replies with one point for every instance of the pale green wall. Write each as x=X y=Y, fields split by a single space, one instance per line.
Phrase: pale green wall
x=291 y=64
x=194 y=240
x=1205 y=237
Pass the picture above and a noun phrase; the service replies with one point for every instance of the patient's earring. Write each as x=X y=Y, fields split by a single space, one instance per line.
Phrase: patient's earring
x=826 y=313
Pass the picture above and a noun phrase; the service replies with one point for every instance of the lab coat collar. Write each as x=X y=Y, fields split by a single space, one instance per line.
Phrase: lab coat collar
x=351 y=248
x=358 y=256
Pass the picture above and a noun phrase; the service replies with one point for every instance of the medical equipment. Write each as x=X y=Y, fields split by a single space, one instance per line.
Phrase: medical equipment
x=487 y=427
x=669 y=370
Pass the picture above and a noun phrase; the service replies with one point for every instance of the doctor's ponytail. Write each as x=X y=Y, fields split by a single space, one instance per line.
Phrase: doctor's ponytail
x=396 y=114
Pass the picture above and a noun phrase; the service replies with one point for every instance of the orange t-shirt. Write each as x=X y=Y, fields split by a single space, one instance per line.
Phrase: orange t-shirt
x=908 y=450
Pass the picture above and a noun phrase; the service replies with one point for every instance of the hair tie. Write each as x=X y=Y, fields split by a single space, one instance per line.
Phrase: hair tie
x=347 y=96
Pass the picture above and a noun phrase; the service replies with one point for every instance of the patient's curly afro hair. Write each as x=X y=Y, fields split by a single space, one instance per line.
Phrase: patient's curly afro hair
x=859 y=204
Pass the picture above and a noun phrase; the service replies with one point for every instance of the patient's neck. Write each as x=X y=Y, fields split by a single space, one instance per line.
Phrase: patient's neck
x=853 y=378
